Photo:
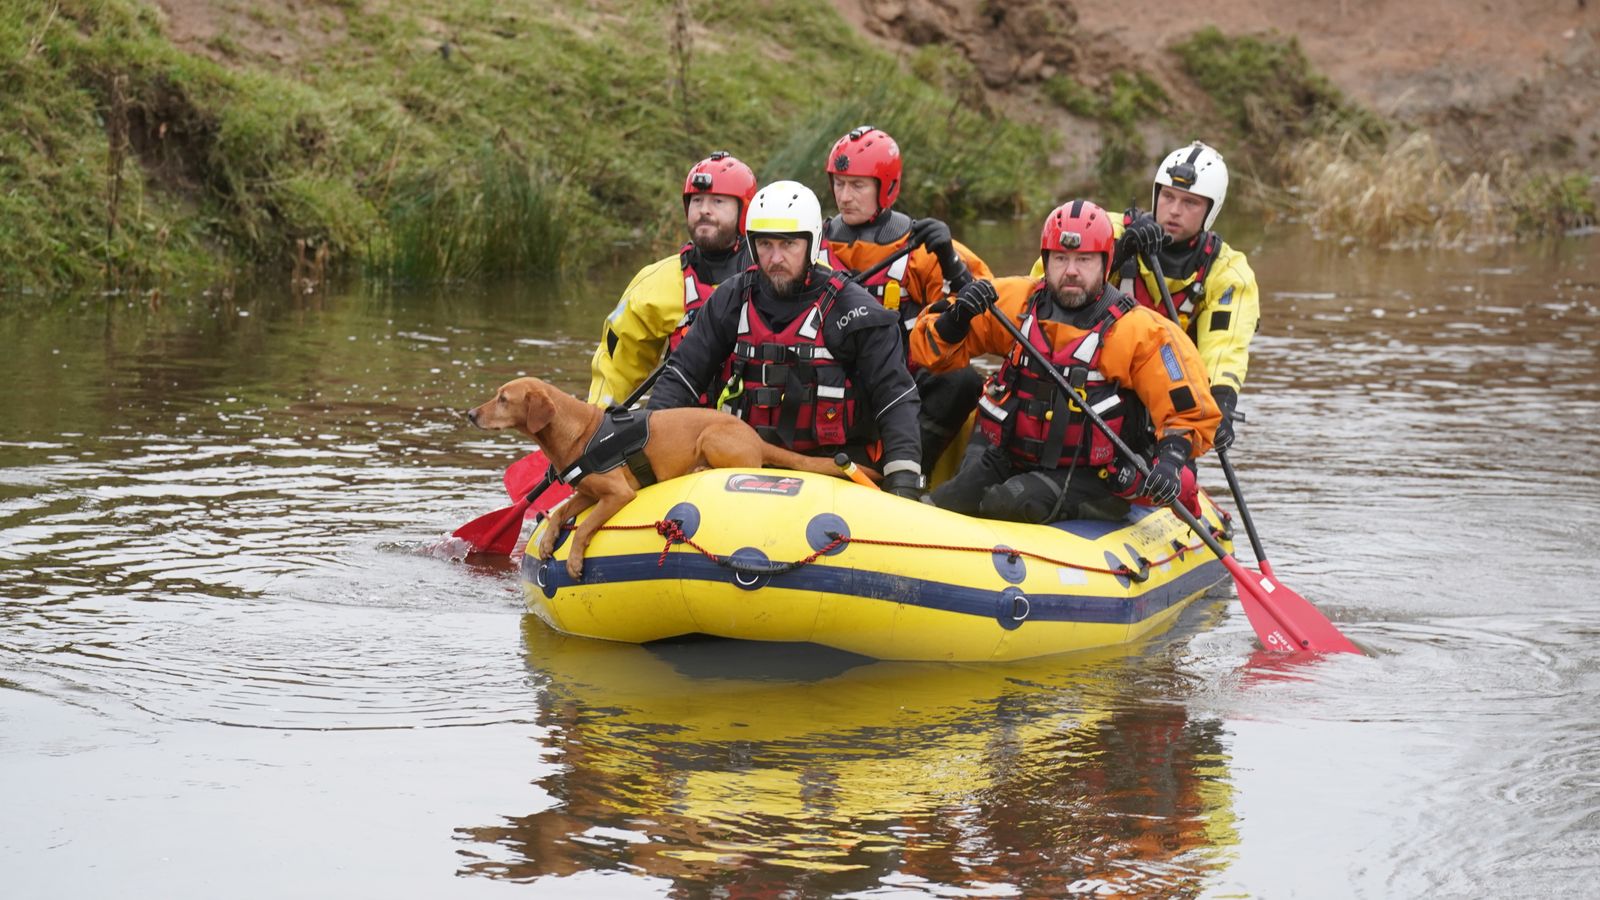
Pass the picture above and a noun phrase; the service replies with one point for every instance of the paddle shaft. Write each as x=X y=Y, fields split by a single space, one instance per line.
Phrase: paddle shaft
x=884 y=263
x=1161 y=280
x=1222 y=455
x=1244 y=512
x=1282 y=619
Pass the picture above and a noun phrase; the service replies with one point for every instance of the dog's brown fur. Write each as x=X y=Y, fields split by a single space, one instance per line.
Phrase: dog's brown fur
x=681 y=441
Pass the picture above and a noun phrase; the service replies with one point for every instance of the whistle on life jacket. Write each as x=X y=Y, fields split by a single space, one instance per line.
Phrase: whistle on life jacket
x=891 y=295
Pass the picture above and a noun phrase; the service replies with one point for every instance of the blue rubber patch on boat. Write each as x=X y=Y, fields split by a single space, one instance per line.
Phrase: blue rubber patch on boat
x=818 y=529
x=1135 y=560
x=545 y=577
x=754 y=559
x=1012 y=608
x=1113 y=562
x=1010 y=565
x=688 y=514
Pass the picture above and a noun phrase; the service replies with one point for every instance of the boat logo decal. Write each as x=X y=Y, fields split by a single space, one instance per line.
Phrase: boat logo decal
x=787 y=486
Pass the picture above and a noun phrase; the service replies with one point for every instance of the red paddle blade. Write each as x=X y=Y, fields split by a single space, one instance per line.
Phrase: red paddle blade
x=525 y=474
x=495 y=532
x=522 y=475
x=547 y=501
x=1284 y=620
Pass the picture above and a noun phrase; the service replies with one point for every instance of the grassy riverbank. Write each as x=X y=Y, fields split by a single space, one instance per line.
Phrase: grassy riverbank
x=449 y=139
x=435 y=139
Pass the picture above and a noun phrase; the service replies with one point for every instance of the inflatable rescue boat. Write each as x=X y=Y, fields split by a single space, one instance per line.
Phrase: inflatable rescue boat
x=775 y=555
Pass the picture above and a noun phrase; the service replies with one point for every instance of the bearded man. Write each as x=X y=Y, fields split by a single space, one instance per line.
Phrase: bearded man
x=802 y=353
x=1035 y=457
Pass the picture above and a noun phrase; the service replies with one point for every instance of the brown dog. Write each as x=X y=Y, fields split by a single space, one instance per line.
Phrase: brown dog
x=681 y=441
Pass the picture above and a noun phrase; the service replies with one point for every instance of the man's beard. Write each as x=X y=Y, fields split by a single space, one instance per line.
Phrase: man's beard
x=784 y=286
x=1069 y=297
x=719 y=241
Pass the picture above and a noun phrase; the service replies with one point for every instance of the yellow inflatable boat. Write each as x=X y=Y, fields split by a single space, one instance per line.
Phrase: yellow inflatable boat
x=773 y=555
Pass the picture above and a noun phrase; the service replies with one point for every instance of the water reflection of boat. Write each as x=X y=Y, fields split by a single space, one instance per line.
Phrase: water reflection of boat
x=744 y=770
x=763 y=559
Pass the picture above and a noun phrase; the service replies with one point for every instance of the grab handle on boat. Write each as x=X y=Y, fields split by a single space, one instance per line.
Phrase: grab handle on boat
x=1139 y=575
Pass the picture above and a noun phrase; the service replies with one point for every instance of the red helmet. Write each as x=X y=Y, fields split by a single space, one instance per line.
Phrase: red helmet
x=1079 y=225
x=721 y=173
x=869 y=152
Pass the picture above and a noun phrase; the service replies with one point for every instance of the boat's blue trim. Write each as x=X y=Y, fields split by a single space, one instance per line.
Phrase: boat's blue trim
x=937 y=595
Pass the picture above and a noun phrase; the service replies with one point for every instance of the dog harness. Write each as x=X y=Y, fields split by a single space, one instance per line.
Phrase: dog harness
x=619 y=439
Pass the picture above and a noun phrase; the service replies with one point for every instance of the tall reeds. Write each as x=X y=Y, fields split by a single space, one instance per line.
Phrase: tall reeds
x=502 y=215
x=1408 y=194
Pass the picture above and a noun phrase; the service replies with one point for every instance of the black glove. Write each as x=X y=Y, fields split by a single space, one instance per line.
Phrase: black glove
x=935 y=236
x=1166 y=479
x=1141 y=234
x=1227 y=398
x=973 y=300
x=903 y=483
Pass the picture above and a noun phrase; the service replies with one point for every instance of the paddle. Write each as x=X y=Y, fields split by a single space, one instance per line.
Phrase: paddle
x=497 y=532
x=1222 y=455
x=1283 y=620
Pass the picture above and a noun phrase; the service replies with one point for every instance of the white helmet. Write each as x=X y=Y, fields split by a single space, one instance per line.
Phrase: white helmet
x=1198 y=169
x=786 y=207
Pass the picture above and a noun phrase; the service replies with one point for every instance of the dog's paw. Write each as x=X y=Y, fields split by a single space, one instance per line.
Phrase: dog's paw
x=575 y=567
x=547 y=544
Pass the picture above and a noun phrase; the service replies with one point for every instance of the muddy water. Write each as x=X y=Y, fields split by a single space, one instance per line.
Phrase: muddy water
x=227 y=667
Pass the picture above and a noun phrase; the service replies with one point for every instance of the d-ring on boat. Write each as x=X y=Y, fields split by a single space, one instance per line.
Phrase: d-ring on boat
x=774 y=555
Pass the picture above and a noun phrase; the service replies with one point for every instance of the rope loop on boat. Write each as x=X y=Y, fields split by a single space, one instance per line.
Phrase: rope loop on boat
x=672 y=530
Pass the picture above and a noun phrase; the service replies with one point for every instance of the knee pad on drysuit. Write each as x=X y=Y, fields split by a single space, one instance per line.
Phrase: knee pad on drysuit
x=1029 y=497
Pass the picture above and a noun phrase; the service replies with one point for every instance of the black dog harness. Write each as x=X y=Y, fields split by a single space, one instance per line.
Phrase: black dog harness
x=620 y=439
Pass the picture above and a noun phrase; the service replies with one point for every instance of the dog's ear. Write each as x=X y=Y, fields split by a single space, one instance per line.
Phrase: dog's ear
x=537 y=409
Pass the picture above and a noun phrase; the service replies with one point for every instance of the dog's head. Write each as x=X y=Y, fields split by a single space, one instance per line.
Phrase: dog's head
x=523 y=403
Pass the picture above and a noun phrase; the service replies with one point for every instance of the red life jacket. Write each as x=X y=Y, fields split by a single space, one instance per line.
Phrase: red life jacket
x=786 y=383
x=1023 y=411
x=1185 y=299
x=695 y=295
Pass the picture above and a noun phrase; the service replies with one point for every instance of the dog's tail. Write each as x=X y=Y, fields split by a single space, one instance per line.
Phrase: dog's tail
x=784 y=458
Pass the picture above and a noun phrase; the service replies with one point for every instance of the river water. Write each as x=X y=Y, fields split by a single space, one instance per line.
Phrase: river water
x=229 y=664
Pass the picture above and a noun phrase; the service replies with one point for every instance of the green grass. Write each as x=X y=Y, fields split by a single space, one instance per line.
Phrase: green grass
x=445 y=139
x=438 y=139
x=1266 y=91
x=983 y=166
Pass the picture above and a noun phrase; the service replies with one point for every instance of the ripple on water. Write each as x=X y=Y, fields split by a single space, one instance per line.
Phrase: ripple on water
x=279 y=666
